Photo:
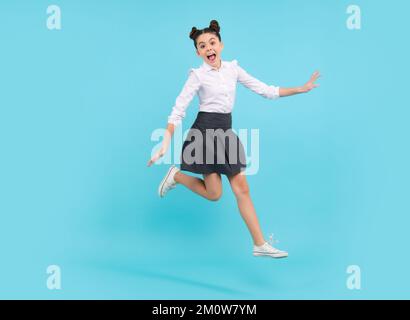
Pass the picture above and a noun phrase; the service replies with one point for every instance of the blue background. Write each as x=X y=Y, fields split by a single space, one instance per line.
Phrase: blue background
x=77 y=109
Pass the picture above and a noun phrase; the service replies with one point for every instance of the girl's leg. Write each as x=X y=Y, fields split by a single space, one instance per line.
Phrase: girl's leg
x=210 y=187
x=240 y=188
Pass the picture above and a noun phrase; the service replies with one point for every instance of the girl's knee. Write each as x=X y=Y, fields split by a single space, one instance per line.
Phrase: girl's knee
x=240 y=188
x=241 y=191
x=214 y=195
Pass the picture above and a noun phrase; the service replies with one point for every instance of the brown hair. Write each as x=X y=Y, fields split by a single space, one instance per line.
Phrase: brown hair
x=213 y=28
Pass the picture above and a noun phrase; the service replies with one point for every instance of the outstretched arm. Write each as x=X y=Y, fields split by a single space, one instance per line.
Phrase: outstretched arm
x=165 y=144
x=284 y=92
x=272 y=91
x=182 y=102
x=254 y=84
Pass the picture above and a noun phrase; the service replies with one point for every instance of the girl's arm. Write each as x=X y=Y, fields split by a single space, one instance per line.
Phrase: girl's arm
x=257 y=86
x=182 y=102
x=284 y=92
x=165 y=144
x=272 y=91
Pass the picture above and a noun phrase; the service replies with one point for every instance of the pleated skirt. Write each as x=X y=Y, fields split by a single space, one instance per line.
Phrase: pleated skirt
x=211 y=146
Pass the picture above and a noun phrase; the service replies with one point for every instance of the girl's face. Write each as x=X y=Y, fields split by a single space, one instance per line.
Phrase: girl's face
x=209 y=48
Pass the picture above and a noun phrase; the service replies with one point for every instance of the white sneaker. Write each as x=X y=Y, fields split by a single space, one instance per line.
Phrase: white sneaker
x=168 y=182
x=268 y=250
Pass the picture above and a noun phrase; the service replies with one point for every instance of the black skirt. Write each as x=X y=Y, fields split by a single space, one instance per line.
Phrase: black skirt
x=211 y=146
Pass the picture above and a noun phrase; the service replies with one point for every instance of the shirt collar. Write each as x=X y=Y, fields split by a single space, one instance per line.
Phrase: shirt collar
x=207 y=67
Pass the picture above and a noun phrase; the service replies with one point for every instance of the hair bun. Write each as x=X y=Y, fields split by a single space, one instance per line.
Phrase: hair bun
x=214 y=25
x=192 y=33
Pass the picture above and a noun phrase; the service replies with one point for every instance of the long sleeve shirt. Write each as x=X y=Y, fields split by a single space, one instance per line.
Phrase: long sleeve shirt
x=216 y=89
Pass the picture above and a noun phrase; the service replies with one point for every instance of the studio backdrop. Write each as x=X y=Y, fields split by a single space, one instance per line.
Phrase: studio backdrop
x=85 y=91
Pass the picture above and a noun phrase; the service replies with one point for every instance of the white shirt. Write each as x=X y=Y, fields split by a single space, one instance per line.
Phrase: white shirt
x=216 y=89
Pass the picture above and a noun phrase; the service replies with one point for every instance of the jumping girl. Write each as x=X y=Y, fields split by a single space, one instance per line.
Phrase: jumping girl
x=215 y=83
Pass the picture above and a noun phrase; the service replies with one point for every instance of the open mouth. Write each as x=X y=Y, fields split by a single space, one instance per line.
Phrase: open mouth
x=211 y=57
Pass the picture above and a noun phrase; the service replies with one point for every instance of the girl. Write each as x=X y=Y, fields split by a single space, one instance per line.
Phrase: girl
x=215 y=83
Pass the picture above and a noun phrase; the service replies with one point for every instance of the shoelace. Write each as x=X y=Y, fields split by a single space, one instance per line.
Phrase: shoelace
x=272 y=240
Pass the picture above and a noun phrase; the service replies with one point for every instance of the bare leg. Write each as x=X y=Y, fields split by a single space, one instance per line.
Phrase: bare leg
x=240 y=188
x=210 y=187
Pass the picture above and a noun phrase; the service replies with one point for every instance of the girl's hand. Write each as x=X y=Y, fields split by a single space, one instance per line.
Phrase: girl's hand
x=165 y=144
x=157 y=155
x=311 y=83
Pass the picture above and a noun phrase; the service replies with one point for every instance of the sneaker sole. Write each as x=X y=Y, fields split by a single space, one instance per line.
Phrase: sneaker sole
x=276 y=256
x=161 y=185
